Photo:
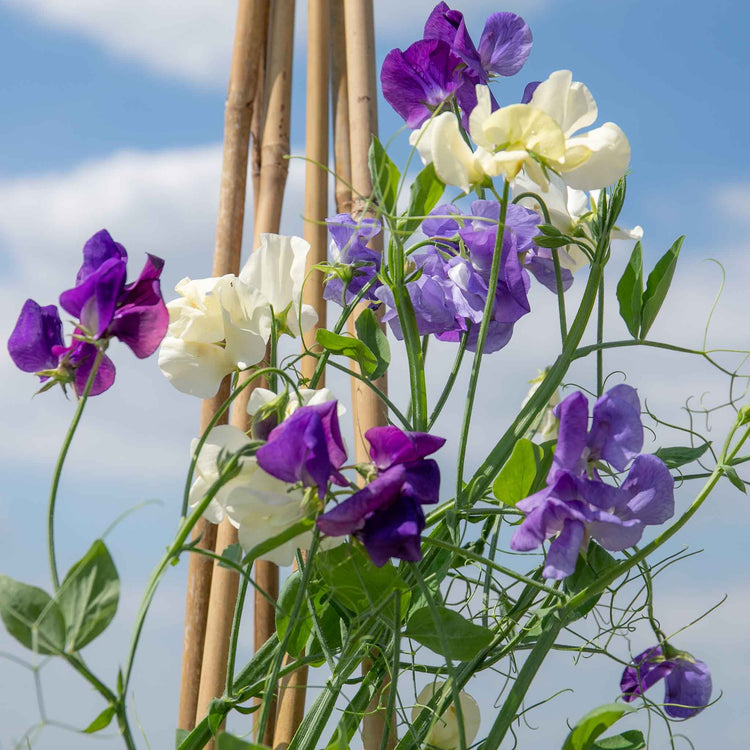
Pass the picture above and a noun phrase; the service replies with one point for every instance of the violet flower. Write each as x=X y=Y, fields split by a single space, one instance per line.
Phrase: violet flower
x=386 y=515
x=307 y=447
x=356 y=264
x=105 y=306
x=577 y=504
x=687 y=681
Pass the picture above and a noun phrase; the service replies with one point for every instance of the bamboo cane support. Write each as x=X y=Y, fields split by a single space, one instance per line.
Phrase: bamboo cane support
x=340 y=109
x=292 y=690
x=368 y=410
x=237 y=119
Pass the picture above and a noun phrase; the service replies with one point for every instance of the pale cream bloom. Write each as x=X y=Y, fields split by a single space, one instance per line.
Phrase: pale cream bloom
x=444 y=733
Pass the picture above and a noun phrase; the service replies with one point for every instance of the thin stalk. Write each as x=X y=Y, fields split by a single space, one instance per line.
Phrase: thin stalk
x=239 y=606
x=450 y=382
x=560 y=297
x=482 y=338
x=51 y=503
x=599 y=340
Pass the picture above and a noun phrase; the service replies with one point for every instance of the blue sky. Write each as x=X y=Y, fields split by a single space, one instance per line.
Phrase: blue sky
x=112 y=116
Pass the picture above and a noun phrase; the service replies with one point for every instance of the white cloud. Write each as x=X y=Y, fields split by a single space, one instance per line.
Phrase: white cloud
x=192 y=39
x=733 y=201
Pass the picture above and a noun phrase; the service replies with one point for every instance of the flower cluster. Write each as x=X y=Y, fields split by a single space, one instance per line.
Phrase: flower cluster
x=577 y=503
x=687 y=680
x=105 y=307
x=219 y=325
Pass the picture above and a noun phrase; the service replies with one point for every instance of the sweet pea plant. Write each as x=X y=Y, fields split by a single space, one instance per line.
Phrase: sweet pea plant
x=426 y=583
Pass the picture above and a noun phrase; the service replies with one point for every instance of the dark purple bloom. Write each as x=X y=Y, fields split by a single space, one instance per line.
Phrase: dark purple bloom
x=528 y=92
x=419 y=79
x=577 y=504
x=356 y=264
x=307 y=447
x=687 y=681
x=386 y=515
x=37 y=331
x=505 y=44
x=78 y=360
x=106 y=306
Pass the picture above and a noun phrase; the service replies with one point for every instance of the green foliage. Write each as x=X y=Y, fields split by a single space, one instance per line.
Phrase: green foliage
x=518 y=476
x=675 y=457
x=372 y=336
x=102 y=721
x=630 y=291
x=585 y=732
x=657 y=286
x=385 y=176
x=230 y=742
x=32 y=617
x=463 y=639
x=355 y=581
x=88 y=596
x=590 y=566
x=630 y=740
x=329 y=625
x=302 y=626
x=424 y=194
x=734 y=478
x=348 y=346
x=639 y=307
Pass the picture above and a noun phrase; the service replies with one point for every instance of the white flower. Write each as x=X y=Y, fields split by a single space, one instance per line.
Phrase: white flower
x=277 y=269
x=258 y=505
x=444 y=733
x=310 y=397
x=541 y=136
x=548 y=424
x=218 y=325
x=439 y=142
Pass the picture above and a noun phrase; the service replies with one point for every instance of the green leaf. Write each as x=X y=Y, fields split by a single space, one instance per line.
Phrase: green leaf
x=350 y=347
x=357 y=583
x=674 y=457
x=630 y=740
x=734 y=478
x=233 y=553
x=217 y=712
x=230 y=742
x=88 y=596
x=559 y=240
x=385 y=176
x=657 y=286
x=630 y=291
x=102 y=721
x=463 y=639
x=180 y=735
x=31 y=616
x=329 y=623
x=372 y=336
x=590 y=566
x=516 y=478
x=595 y=722
x=302 y=627
x=425 y=192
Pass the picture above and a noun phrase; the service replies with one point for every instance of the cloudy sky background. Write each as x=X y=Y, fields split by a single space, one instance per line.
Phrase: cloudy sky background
x=112 y=117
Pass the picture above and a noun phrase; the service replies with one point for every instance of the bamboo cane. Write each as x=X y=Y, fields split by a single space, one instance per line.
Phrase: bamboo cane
x=292 y=691
x=274 y=169
x=368 y=410
x=340 y=109
x=237 y=120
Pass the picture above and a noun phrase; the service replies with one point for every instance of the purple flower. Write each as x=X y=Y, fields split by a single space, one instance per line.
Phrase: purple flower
x=386 y=515
x=417 y=80
x=577 y=504
x=356 y=264
x=106 y=306
x=687 y=681
x=307 y=447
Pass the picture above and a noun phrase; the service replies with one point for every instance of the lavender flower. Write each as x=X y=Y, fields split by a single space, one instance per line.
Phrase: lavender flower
x=105 y=306
x=307 y=447
x=386 y=515
x=356 y=264
x=687 y=680
x=576 y=503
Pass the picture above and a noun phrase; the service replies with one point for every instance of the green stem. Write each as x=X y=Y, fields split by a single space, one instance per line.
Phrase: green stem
x=599 y=340
x=562 y=315
x=450 y=382
x=59 y=467
x=239 y=606
x=482 y=338
x=521 y=685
